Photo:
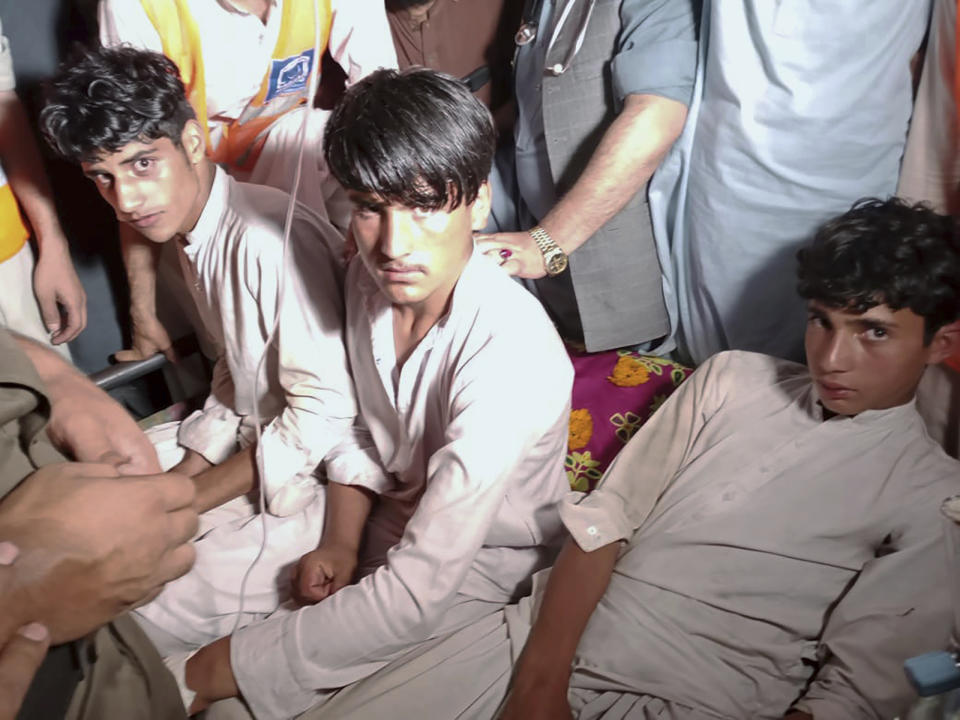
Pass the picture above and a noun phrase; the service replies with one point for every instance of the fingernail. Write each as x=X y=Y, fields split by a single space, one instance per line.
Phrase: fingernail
x=34 y=631
x=8 y=552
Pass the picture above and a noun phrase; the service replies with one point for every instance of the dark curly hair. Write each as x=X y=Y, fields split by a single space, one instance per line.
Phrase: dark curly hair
x=106 y=98
x=886 y=252
x=416 y=138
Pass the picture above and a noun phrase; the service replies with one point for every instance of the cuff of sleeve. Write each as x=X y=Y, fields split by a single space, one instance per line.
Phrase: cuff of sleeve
x=213 y=438
x=264 y=674
x=283 y=460
x=359 y=467
x=667 y=69
x=595 y=520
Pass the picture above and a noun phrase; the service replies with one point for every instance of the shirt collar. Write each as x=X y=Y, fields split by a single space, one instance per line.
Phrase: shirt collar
x=897 y=415
x=213 y=210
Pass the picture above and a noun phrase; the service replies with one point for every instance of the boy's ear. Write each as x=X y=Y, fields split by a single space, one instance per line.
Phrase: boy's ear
x=194 y=141
x=480 y=210
x=945 y=343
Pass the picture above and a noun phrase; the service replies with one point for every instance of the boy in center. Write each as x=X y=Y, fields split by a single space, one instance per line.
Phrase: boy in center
x=465 y=387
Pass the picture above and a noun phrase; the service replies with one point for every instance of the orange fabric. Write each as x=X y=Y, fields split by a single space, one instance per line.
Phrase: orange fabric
x=243 y=138
x=13 y=231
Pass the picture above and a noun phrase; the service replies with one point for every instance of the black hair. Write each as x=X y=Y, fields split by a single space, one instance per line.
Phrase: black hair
x=416 y=138
x=886 y=252
x=104 y=99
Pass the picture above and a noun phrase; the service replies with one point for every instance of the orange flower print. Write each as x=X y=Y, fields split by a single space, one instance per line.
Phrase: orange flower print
x=629 y=372
x=581 y=429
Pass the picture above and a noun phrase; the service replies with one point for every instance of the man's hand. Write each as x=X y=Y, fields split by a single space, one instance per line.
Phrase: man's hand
x=321 y=572
x=93 y=544
x=89 y=425
x=85 y=422
x=55 y=282
x=209 y=675
x=148 y=337
x=515 y=252
x=20 y=657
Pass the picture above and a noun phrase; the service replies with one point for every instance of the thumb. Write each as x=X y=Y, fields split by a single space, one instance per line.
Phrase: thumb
x=19 y=660
x=49 y=311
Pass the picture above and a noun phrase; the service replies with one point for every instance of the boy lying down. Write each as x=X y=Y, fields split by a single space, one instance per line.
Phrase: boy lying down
x=768 y=545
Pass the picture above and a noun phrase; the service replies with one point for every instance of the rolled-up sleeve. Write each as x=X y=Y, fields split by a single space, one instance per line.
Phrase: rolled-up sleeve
x=898 y=607
x=657 y=53
x=643 y=470
x=213 y=430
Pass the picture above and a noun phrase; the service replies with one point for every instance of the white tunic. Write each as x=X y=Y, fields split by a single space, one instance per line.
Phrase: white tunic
x=777 y=541
x=474 y=434
x=232 y=260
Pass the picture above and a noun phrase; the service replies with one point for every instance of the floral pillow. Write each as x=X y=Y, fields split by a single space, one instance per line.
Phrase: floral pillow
x=614 y=393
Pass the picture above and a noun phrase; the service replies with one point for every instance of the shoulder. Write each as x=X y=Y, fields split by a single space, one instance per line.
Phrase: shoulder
x=255 y=219
x=126 y=22
x=755 y=368
x=505 y=324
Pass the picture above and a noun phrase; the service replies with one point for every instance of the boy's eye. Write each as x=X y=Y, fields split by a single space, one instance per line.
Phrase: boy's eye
x=143 y=164
x=102 y=180
x=876 y=333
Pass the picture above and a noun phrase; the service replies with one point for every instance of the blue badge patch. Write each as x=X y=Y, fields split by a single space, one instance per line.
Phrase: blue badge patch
x=290 y=75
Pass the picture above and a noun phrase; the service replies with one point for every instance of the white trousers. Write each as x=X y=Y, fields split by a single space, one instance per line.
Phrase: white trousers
x=207 y=603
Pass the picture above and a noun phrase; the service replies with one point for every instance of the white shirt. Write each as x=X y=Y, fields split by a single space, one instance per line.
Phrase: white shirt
x=474 y=433
x=764 y=540
x=232 y=260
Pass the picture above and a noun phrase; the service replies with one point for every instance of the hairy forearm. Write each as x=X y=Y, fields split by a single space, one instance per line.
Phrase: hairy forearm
x=24 y=170
x=232 y=478
x=348 y=507
x=577 y=582
x=622 y=164
x=140 y=261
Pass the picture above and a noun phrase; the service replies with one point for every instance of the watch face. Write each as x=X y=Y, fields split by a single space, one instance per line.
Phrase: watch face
x=556 y=263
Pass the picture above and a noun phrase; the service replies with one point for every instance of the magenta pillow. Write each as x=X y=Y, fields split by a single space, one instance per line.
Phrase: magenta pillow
x=614 y=393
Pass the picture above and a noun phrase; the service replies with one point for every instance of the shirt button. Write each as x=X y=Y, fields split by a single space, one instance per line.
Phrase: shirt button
x=592 y=530
x=377 y=361
x=729 y=495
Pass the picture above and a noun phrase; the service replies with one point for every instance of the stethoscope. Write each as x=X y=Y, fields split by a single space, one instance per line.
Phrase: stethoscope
x=528 y=32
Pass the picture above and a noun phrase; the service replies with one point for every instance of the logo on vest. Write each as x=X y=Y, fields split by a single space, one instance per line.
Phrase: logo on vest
x=289 y=75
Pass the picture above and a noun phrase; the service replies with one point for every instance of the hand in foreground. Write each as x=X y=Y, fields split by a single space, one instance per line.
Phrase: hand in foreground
x=55 y=281
x=148 y=337
x=321 y=572
x=515 y=252
x=93 y=544
x=210 y=676
x=91 y=426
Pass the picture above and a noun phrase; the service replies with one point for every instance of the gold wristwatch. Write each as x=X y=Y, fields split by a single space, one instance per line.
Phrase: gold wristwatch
x=554 y=259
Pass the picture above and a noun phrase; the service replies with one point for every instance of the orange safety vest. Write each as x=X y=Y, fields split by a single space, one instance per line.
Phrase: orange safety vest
x=284 y=86
x=13 y=231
